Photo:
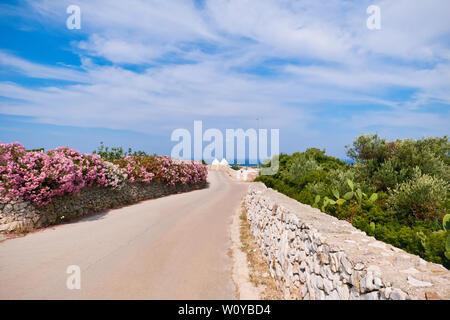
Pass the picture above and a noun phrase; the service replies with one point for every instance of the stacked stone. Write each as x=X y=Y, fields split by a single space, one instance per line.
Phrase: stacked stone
x=23 y=216
x=312 y=255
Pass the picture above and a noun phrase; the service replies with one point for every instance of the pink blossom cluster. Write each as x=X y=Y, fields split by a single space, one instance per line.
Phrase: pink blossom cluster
x=162 y=170
x=38 y=177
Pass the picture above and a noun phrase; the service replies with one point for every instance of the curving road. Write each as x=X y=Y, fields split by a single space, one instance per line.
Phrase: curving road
x=174 y=247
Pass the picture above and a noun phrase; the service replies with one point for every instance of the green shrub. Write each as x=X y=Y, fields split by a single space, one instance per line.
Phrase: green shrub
x=370 y=147
x=300 y=166
x=318 y=188
x=115 y=153
x=423 y=197
x=327 y=163
x=338 y=180
x=396 y=191
x=348 y=212
x=305 y=197
x=434 y=246
x=36 y=150
x=389 y=174
x=312 y=177
x=386 y=164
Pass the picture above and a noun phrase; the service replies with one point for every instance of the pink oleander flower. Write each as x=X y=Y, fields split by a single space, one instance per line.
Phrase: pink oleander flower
x=39 y=176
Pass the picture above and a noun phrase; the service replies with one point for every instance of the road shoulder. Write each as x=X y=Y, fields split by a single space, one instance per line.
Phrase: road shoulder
x=245 y=290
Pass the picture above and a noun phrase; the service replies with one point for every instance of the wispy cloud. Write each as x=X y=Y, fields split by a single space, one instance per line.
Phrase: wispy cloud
x=153 y=65
x=34 y=70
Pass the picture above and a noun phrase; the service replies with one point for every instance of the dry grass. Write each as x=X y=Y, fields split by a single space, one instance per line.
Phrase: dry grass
x=259 y=272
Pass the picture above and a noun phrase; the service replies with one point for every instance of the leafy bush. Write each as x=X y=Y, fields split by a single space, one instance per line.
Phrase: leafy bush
x=389 y=174
x=300 y=166
x=423 y=197
x=338 y=180
x=115 y=153
x=435 y=247
x=386 y=164
x=162 y=170
x=39 y=176
x=397 y=191
x=319 y=188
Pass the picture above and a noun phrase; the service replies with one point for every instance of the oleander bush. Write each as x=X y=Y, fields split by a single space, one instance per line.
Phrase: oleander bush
x=396 y=191
x=162 y=169
x=39 y=176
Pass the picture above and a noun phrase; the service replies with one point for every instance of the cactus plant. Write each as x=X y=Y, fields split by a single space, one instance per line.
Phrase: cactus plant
x=446 y=226
x=447 y=248
x=358 y=194
x=326 y=202
x=446 y=222
x=339 y=201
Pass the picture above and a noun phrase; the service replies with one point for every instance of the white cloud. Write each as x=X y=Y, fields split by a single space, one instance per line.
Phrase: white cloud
x=411 y=30
x=327 y=56
x=117 y=98
x=34 y=70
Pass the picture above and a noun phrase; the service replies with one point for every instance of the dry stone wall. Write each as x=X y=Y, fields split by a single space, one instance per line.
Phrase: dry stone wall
x=313 y=255
x=22 y=216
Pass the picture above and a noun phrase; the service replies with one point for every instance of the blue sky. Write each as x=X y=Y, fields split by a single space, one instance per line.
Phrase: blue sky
x=137 y=70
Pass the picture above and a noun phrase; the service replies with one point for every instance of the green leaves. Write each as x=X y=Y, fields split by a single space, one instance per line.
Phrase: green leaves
x=422 y=237
x=335 y=193
x=317 y=199
x=349 y=195
x=338 y=200
x=359 y=195
x=446 y=222
x=446 y=226
x=447 y=247
x=350 y=184
x=115 y=153
x=373 y=197
x=325 y=203
x=380 y=193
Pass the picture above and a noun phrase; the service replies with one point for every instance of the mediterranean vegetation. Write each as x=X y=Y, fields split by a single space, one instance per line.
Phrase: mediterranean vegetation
x=39 y=176
x=396 y=191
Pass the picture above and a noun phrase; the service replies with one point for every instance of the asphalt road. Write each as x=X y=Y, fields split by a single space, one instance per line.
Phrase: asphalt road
x=175 y=247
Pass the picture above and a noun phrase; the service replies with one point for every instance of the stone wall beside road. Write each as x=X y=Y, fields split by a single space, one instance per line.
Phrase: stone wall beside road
x=313 y=255
x=23 y=216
